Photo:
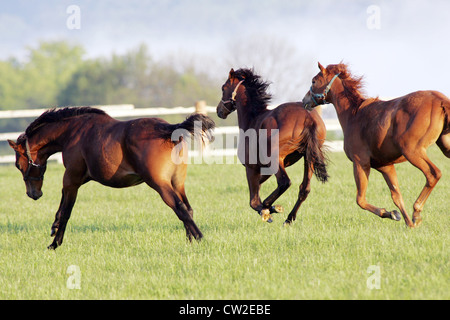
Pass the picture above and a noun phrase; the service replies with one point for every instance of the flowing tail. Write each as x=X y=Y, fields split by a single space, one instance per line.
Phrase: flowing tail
x=197 y=125
x=446 y=107
x=444 y=139
x=315 y=154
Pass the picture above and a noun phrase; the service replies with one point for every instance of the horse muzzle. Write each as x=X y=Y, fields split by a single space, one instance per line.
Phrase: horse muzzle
x=222 y=111
x=307 y=102
x=35 y=195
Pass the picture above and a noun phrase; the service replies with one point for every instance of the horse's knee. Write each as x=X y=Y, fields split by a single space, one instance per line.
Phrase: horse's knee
x=285 y=184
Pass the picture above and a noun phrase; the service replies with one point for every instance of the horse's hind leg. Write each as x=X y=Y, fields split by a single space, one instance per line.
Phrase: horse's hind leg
x=178 y=185
x=361 y=173
x=303 y=193
x=390 y=176
x=182 y=194
x=172 y=199
x=432 y=174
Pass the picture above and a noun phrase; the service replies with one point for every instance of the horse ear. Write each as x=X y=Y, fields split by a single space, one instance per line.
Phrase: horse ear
x=12 y=144
x=231 y=75
x=321 y=67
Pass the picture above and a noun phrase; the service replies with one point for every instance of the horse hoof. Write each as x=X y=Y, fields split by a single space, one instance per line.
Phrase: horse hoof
x=265 y=215
x=417 y=222
x=287 y=224
x=276 y=209
x=395 y=215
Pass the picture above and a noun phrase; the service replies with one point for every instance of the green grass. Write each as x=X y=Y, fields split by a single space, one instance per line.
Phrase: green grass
x=129 y=245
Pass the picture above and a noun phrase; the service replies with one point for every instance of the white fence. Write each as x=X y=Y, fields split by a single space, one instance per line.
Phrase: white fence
x=129 y=111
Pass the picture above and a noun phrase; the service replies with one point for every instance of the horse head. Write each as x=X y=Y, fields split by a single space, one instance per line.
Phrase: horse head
x=31 y=165
x=322 y=82
x=229 y=92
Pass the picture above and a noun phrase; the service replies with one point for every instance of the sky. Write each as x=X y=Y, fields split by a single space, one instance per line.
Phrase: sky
x=399 y=46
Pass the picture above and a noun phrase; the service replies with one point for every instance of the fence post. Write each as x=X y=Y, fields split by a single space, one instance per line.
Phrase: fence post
x=200 y=107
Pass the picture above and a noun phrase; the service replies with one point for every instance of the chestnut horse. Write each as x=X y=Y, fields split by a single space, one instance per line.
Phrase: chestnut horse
x=288 y=132
x=379 y=134
x=114 y=153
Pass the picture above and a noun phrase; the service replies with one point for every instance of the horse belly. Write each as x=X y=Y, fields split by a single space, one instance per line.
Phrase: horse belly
x=113 y=172
x=128 y=180
x=120 y=180
x=385 y=152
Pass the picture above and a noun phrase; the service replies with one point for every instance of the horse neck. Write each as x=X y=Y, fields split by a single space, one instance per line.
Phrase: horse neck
x=246 y=118
x=49 y=140
x=344 y=109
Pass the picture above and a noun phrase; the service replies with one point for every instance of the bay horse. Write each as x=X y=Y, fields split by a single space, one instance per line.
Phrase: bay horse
x=379 y=134
x=114 y=153
x=288 y=132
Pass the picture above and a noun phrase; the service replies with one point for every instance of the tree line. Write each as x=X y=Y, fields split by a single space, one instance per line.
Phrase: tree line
x=55 y=74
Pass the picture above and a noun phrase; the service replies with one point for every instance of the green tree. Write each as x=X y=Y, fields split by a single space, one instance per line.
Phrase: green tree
x=50 y=68
x=107 y=81
x=136 y=79
x=37 y=82
x=11 y=91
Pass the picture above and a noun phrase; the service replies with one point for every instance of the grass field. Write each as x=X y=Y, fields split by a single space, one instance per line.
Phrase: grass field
x=128 y=244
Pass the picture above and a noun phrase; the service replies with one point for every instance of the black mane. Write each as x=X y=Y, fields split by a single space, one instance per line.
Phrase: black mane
x=256 y=89
x=55 y=115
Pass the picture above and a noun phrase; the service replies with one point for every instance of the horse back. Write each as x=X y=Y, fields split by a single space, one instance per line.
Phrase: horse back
x=386 y=129
x=122 y=153
x=294 y=123
x=291 y=119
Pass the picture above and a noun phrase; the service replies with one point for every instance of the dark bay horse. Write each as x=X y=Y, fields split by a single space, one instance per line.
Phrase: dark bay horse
x=379 y=134
x=114 y=153
x=287 y=133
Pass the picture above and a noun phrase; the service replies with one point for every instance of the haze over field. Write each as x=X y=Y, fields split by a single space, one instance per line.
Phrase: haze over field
x=400 y=46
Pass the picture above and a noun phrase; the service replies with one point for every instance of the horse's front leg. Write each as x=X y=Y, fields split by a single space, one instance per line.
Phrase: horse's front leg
x=62 y=216
x=254 y=179
x=283 y=183
x=183 y=210
x=55 y=224
x=361 y=173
